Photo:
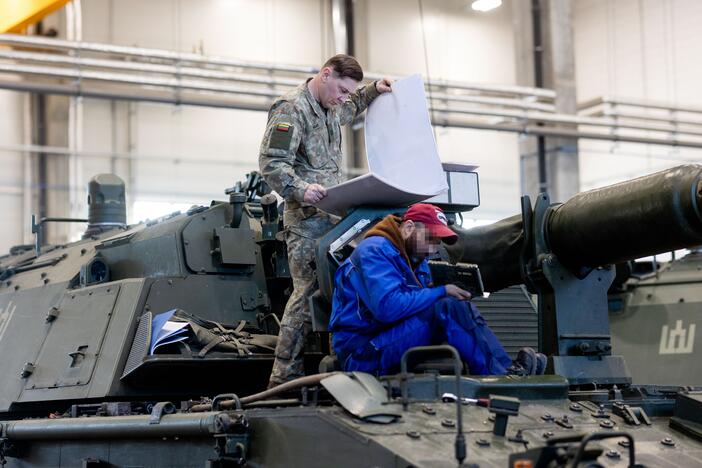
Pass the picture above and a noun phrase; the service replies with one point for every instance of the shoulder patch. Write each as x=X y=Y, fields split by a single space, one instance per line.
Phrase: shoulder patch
x=281 y=136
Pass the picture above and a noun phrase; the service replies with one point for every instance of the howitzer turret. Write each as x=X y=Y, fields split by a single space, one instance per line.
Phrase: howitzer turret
x=564 y=252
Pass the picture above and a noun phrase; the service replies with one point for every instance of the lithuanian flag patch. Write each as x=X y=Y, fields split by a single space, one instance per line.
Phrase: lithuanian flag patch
x=281 y=136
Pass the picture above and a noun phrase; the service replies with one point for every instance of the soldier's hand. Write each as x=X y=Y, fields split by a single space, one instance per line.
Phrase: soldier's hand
x=314 y=193
x=384 y=85
x=458 y=293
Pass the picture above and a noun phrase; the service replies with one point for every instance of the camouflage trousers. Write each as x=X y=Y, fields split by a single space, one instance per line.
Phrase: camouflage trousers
x=297 y=320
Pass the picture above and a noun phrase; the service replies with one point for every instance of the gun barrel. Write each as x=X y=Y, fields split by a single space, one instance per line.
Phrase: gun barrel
x=644 y=216
x=656 y=213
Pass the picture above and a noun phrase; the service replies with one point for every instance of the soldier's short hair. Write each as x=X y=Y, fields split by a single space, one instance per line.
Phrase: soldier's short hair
x=345 y=66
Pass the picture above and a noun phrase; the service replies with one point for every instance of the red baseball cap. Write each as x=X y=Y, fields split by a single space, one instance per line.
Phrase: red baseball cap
x=433 y=218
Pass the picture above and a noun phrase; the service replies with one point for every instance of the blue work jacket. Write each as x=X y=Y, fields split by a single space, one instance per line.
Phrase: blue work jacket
x=374 y=289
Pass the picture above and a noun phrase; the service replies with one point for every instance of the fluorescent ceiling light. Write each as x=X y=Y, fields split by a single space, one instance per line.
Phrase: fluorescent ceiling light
x=485 y=5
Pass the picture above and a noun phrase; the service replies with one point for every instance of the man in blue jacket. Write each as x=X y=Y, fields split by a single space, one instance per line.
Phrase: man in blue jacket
x=384 y=303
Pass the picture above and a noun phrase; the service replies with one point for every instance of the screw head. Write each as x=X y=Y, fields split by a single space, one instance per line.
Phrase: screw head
x=547 y=434
x=668 y=442
x=413 y=434
x=613 y=454
x=607 y=424
x=576 y=407
x=483 y=442
x=624 y=443
x=600 y=413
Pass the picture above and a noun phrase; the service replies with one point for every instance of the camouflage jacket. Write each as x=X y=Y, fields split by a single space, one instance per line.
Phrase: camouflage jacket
x=302 y=146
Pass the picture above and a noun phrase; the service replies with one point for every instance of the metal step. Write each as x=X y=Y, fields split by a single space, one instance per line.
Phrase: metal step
x=511 y=315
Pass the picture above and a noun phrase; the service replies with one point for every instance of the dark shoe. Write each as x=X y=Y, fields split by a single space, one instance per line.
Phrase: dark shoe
x=541 y=361
x=516 y=369
x=526 y=357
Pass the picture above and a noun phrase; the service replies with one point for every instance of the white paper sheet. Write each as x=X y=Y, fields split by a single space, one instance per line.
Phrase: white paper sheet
x=404 y=165
x=368 y=189
x=400 y=141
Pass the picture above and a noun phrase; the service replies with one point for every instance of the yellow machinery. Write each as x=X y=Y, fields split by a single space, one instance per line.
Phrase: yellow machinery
x=16 y=15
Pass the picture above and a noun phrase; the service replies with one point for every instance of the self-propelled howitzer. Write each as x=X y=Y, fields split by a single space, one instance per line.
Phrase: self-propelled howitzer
x=75 y=328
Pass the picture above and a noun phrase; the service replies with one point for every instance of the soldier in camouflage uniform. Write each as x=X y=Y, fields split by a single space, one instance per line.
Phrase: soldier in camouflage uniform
x=300 y=155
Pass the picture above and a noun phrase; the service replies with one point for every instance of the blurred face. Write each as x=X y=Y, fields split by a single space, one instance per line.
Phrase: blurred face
x=333 y=90
x=419 y=241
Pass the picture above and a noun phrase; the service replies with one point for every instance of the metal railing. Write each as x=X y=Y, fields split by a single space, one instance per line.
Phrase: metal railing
x=54 y=66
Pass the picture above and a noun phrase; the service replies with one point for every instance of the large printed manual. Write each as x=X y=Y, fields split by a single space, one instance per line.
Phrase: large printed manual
x=165 y=331
x=404 y=165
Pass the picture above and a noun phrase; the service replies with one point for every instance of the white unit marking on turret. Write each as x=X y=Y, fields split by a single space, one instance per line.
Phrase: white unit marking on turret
x=678 y=340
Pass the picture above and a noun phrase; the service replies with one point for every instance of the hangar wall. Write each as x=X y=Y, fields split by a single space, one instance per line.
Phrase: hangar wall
x=13 y=170
x=643 y=49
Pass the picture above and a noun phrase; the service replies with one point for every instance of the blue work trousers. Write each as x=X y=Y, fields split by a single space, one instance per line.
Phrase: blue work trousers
x=448 y=320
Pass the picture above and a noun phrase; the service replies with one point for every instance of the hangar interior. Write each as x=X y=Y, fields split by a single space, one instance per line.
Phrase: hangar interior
x=171 y=95
x=369 y=340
